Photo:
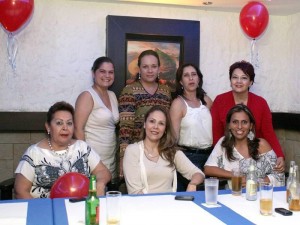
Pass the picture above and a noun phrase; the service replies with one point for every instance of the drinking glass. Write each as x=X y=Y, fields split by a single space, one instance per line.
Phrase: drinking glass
x=236 y=181
x=281 y=179
x=211 y=190
x=266 y=198
x=113 y=207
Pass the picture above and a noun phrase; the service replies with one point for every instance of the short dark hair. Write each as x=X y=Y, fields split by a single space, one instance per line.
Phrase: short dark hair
x=59 y=106
x=99 y=61
x=245 y=66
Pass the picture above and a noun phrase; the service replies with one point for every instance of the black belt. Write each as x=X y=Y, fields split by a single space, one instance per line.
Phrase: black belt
x=207 y=150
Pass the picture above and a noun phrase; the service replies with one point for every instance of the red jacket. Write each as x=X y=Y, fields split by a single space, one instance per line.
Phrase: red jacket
x=261 y=112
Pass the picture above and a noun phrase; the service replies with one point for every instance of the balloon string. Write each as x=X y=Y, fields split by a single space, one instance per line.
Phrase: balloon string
x=254 y=54
x=12 y=50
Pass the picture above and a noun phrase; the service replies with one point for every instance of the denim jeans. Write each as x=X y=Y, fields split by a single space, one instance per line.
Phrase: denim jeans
x=198 y=159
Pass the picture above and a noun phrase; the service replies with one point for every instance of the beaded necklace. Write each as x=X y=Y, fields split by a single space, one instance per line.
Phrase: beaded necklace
x=54 y=152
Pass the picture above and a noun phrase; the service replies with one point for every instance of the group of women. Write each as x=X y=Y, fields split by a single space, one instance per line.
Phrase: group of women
x=164 y=145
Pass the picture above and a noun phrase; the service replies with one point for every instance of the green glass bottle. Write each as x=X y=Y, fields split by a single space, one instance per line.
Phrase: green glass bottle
x=92 y=204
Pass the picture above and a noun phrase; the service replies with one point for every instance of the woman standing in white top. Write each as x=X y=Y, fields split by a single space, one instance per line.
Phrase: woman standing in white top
x=191 y=118
x=96 y=114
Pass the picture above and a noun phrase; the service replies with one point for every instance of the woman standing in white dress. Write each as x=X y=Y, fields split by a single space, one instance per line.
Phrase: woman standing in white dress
x=96 y=114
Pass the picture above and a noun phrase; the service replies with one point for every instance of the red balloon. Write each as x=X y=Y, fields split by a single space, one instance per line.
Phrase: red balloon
x=70 y=185
x=254 y=18
x=15 y=13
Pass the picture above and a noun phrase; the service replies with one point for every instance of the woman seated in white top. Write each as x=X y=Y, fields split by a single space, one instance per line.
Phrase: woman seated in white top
x=239 y=147
x=57 y=154
x=150 y=165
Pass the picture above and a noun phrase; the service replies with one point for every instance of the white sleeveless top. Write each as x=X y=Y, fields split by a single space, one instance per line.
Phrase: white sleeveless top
x=196 y=127
x=100 y=129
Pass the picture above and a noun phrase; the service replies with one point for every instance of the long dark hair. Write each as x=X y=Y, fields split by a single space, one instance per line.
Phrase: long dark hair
x=167 y=144
x=229 y=140
x=200 y=93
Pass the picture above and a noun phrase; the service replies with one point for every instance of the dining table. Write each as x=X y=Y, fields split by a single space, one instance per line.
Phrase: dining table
x=163 y=208
x=158 y=209
x=27 y=212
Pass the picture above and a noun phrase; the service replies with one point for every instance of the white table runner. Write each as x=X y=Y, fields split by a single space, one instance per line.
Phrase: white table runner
x=13 y=213
x=148 y=210
x=250 y=209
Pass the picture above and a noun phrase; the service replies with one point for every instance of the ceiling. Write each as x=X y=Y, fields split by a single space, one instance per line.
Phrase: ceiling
x=275 y=7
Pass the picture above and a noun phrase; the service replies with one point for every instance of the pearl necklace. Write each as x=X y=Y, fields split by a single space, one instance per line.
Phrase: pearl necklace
x=54 y=152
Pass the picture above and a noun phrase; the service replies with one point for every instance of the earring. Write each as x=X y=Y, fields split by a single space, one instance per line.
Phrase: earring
x=182 y=87
x=158 y=76
x=139 y=75
x=48 y=131
x=250 y=135
x=230 y=135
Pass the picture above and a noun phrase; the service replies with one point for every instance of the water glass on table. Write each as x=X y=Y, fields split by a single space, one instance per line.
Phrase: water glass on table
x=236 y=181
x=113 y=207
x=211 y=190
x=266 y=198
x=280 y=179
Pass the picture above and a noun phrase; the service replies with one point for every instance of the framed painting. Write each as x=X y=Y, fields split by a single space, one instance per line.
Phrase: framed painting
x=181 y=37
x=169 y=49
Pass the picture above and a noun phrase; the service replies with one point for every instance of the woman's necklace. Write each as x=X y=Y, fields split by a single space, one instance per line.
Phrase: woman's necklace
x=190 y=99
x=54 y=152
x=149 y=154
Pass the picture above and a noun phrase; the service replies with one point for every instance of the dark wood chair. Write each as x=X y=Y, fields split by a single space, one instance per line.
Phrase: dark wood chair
x=6 y=189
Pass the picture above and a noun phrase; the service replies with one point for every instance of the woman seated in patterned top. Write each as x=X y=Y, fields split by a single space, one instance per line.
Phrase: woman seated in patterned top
x=239 y=147
x=56 y=155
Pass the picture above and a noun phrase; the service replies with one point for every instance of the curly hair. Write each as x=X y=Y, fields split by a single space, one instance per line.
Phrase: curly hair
x=229 y=140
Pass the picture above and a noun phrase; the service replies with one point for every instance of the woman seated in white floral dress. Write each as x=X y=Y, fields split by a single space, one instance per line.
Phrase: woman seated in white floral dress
x=239 y=147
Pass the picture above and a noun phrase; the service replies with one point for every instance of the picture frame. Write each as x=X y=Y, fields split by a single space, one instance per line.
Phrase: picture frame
x=155 y=29
x=169 y=48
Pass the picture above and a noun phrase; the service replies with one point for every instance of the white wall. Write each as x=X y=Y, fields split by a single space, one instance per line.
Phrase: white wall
x=63 y=38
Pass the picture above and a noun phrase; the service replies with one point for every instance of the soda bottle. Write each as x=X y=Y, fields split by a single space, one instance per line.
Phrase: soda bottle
x=289 y=180
x=92 y=204
x=251 y=182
